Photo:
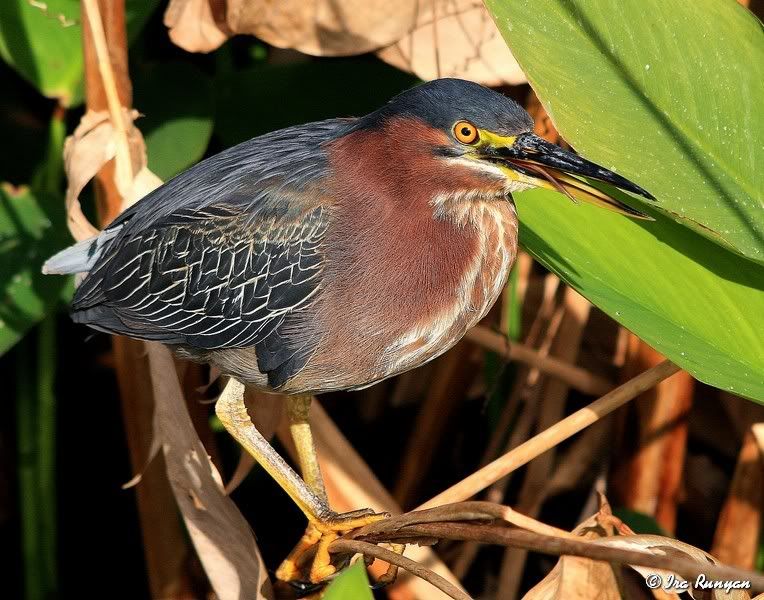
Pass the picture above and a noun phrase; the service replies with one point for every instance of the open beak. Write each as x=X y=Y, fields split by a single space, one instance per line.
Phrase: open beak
x=557 y=169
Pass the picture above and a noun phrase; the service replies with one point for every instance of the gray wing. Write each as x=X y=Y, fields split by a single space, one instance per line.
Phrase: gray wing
x=212 y=279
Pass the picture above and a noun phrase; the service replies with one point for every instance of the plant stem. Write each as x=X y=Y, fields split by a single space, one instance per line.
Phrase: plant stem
x=46 y=447
x=36 y=425
x=552 y=436
x=26 y=422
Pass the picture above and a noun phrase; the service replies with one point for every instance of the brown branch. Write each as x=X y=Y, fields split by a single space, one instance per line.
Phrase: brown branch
x=358 y=547
x=602 y=549
x=123 y=159
x=574 y=376
x=549 y=438
x=461 y=511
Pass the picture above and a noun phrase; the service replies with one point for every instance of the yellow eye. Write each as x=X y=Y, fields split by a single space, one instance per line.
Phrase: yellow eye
x=466 y=132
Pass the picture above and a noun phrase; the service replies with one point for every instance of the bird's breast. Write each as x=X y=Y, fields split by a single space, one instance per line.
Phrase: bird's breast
x=403 y=289
x=483 y=274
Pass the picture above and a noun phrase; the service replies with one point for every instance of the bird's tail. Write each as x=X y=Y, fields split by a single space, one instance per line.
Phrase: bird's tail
x=80 y=257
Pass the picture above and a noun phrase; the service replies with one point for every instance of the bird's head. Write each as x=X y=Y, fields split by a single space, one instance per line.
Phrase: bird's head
x=461 y=141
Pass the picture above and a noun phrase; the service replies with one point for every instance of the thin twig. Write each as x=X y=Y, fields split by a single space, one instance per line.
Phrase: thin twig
x=549 y=438
x=604 y=549
x=358 y=547
x=576 y=377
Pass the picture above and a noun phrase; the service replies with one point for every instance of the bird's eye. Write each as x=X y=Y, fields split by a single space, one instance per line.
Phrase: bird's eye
x=466 y=132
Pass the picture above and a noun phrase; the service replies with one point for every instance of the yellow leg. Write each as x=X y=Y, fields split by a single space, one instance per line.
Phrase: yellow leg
x=324 y=525
x=232 y=412
x=298 y=411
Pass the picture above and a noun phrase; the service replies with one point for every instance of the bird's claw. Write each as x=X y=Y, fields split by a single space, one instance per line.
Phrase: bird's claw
x=320 y=535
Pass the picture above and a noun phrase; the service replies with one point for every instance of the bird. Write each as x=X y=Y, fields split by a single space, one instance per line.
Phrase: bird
x=329 y=256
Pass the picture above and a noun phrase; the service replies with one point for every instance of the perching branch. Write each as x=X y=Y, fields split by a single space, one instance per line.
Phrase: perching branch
x=602 y=549
x=483 y=522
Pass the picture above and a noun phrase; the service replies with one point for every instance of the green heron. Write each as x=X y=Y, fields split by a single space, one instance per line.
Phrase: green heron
x=329 y=256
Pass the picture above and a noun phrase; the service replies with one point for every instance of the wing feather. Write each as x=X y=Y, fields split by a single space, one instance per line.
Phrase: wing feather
x=228 y=254
x=213 y=284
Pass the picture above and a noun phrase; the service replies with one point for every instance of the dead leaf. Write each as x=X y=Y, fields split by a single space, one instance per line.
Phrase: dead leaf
x=455 y=38
x=220 y=534
x=85 y=152
x=430 y=38
x=669 y=547
x=316 y=27
x=583 y=578
x=324 y=27
x=193 y=24
x=89 y=148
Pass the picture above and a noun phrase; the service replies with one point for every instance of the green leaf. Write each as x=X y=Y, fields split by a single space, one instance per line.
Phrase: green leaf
x=262 y=99
x=668 y=92
x=42 y=41
x=701 y=306
x=351 y=584
x=178 y=103
x=27 y=238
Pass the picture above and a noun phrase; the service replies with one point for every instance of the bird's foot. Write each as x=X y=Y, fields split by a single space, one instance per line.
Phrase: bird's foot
x=320 y=535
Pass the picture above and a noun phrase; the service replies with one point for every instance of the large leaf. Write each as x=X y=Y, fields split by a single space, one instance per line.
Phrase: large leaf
x=42 y=41
x=178 y=103
x=695 y=302
x=668 y=92
x=27 y=238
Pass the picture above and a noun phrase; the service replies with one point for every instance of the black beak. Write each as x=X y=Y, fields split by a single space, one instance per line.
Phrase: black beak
x=558 y=169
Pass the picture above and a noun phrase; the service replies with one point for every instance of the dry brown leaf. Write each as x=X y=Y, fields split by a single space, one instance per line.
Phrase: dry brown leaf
x=324 y=27
x=317 y=27
x=89 y=148
x=462 y=41
x=221 y=535
x=193 y=26
x=583 y=578
x=669 y=547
